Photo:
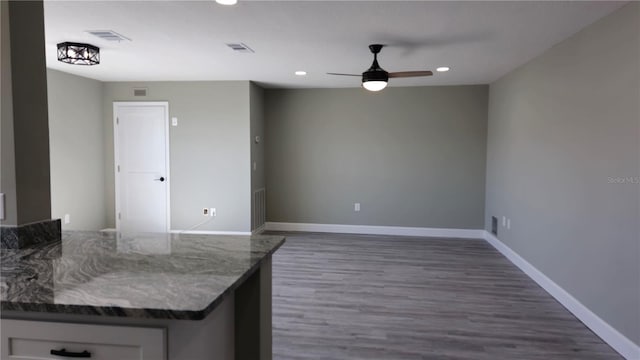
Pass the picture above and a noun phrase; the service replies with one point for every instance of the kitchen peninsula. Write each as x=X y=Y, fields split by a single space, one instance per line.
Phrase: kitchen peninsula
x=150 y=296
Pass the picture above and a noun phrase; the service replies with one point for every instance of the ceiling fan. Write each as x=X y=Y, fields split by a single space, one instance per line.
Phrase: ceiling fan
x=375 y=78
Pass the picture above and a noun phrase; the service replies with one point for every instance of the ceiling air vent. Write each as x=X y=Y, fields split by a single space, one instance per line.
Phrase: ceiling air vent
x=240 y=47
x=108 y=35
x=140 y=92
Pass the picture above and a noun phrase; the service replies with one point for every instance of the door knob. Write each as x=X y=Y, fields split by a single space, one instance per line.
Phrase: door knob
x=161 y=179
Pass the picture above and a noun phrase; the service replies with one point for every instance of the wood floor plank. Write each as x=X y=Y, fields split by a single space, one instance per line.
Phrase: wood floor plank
x=339 y=297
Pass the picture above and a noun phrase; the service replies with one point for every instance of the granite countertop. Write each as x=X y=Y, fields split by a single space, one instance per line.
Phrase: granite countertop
x=167 y=276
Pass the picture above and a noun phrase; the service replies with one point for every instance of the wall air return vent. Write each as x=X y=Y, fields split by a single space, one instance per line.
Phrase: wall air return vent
x=140 y=92
x=259 y=209
x=108 y=35
x=240 y=47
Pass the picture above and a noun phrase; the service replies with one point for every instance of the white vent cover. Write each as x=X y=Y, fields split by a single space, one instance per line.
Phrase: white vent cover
x=240 y=47
x=108 y=35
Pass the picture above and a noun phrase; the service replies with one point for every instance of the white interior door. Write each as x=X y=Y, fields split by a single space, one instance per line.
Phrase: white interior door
x=141 y=136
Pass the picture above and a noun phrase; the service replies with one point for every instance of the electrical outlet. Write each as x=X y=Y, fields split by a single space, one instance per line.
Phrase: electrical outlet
x=356 y=207
x=67 y=218
x=504 y=221
x=205 y=211
x=508 y=223
x=212 y=212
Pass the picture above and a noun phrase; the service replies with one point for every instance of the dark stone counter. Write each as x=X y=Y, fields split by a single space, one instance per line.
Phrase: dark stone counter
x=163 y=276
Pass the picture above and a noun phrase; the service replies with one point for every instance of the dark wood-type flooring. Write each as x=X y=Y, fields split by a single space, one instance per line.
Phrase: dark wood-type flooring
x=383 y=297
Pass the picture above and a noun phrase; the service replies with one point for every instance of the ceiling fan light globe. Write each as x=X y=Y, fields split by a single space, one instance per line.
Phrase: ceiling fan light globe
x=227 y=2
x=375 y=80
x=374 y=85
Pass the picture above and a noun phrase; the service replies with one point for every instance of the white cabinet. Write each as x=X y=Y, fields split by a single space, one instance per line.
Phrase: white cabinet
x=26 y=340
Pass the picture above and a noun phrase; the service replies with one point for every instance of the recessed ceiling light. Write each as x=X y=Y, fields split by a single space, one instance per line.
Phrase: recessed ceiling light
x=301 y=73
x=227 y=2
x=443 y=69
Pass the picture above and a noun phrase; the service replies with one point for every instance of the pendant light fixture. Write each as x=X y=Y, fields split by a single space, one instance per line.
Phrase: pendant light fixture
x=78 y=53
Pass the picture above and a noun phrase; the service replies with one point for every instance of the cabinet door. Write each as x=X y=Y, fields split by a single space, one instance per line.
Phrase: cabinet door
x=26 y=340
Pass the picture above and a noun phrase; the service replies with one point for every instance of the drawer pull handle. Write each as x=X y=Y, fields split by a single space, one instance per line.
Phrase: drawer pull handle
x=65 y=353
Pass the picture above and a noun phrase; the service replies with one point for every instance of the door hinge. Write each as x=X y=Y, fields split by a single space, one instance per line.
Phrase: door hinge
x=117 y=121
x=119 y=216
x=118 y=168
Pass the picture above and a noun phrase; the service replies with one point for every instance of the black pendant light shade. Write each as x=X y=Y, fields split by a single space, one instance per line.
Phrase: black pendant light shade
x=78 y=53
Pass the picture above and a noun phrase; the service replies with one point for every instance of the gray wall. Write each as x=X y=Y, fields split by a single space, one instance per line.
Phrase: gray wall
x=28 y=95
x=76 y=137
x=411 y=156
x=209 y=153
x=257 y=150
x=559 y=128
x=8 y=169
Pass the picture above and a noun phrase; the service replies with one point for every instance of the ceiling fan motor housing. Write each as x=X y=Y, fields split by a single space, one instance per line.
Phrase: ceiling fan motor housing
x=375 y=75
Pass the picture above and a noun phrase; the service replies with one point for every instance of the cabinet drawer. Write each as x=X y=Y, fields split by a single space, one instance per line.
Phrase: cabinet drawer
x=41 y=349
x=27 y=340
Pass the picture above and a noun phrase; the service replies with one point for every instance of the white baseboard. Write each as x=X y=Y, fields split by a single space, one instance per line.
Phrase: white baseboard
x=198 y=232
x=377 y=230
x=611 y=336
x=205 y=232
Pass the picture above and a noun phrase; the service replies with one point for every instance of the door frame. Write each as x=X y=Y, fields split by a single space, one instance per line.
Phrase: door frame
x=116 y=153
